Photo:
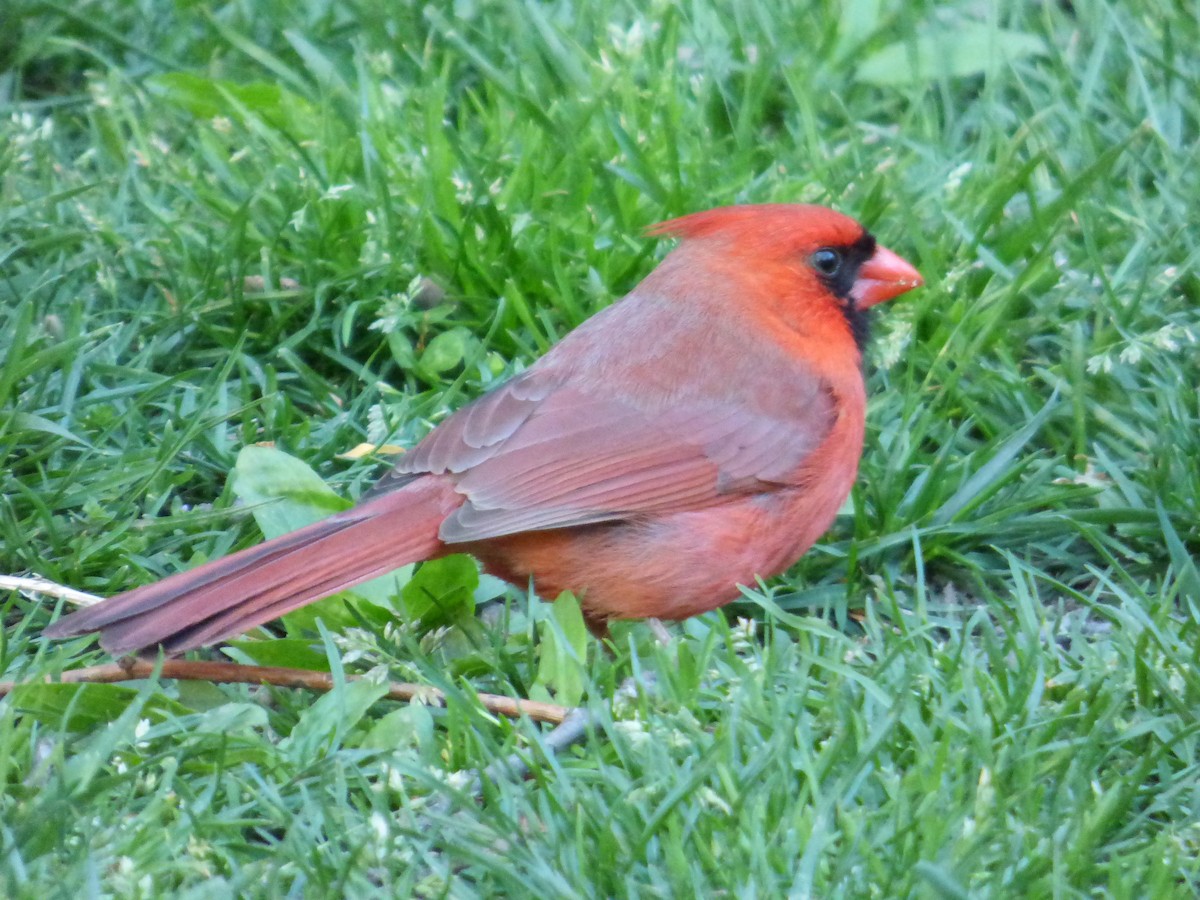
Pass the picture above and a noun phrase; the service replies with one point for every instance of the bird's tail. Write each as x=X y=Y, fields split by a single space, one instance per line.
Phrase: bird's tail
x=230 y=595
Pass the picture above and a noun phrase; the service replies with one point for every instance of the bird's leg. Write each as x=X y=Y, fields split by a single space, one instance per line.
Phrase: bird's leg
x=598 y=626
x=659 y=630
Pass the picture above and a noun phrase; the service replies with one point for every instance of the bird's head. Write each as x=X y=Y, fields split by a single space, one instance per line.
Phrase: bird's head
x=812 y=249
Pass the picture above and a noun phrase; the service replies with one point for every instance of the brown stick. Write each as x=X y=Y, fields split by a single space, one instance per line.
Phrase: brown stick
x=234 y=673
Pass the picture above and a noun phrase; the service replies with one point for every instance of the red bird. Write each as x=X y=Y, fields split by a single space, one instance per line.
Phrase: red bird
x=699 y=433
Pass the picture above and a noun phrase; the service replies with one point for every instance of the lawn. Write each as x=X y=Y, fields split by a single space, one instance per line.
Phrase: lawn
x=321 y=225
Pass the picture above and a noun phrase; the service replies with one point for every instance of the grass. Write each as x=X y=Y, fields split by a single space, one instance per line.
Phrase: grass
x=331 y=224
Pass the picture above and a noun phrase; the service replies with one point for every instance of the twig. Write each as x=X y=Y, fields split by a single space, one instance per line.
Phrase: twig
x=35 y=584
x=571 y=730
x=322 y=682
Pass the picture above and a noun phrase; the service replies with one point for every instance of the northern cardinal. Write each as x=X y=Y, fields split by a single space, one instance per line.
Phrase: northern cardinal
x=700 y=432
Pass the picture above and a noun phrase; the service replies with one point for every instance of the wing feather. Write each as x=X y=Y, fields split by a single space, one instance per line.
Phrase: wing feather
x=544 y=452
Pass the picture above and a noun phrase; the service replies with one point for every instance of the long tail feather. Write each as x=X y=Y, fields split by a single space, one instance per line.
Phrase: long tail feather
x=235 y=593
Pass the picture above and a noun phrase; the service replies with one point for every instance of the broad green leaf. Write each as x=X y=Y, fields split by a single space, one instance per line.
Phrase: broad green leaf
x=121 y=732
x=206 y=98
x=562 y=653
x=950 y=53
x=447 y=350
x=284 y=492
x=443 y=590
x=324 y=725
x=287 y=494
x=411 y=726
x=83 y=707
x=291 y=653
x=230 y=718
x=402 y=349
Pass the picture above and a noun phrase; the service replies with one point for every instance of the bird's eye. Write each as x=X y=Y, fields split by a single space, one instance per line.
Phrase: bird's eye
x=827 y=261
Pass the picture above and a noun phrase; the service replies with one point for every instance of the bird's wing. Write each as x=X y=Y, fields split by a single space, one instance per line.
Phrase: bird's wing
x=535 y=455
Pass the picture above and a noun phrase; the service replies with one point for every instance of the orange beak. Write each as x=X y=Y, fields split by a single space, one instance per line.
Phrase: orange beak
x=882 y=277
